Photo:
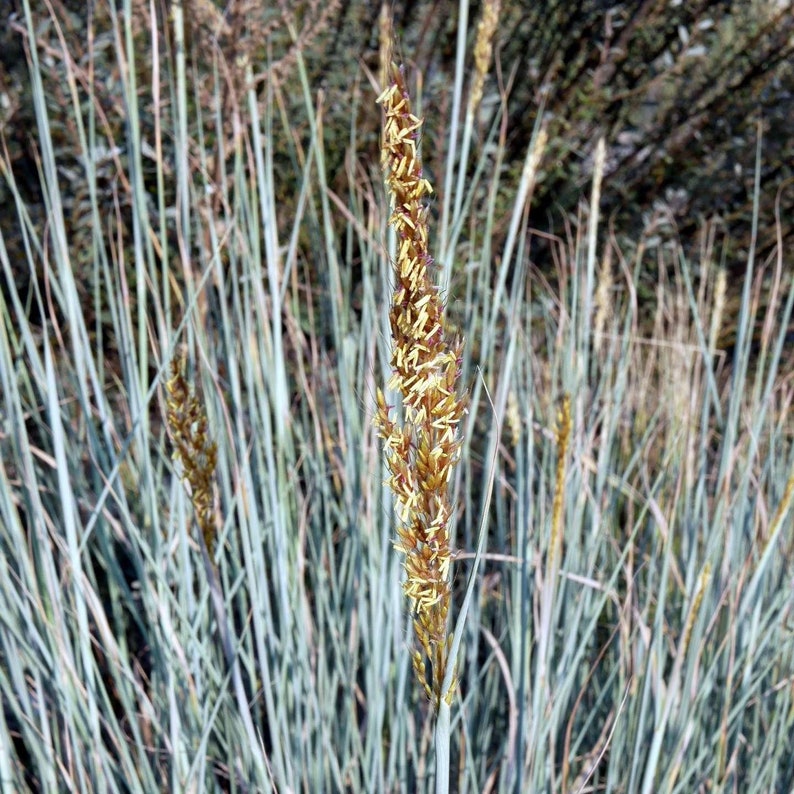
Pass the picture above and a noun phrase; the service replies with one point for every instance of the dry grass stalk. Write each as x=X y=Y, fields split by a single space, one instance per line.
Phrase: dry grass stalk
x=513 y=418
x=563 y=433
x=718 y=302
x=700 y=589
x=780 y=514
x=187 y=428
x=603 y=301
x=423 y=448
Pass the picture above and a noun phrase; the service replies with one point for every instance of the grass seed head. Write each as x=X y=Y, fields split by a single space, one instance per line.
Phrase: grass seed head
x=198 y=455
x=422 y=450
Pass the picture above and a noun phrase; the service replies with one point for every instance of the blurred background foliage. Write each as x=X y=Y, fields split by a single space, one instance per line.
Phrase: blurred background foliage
x=681 y=91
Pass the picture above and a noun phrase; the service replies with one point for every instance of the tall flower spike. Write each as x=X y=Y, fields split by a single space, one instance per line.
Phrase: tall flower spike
x=422 y=448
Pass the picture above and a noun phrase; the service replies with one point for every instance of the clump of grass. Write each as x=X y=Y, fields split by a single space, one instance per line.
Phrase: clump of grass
x=632 y=629
x=423 y=447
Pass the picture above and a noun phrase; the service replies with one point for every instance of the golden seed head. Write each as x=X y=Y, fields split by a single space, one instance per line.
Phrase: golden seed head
x=187 y=425
x=483 y=48
x=422 y=450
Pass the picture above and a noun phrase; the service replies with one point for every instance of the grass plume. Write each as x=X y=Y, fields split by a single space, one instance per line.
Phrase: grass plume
x=423 y=447
x=193 y=449
x=483 y=49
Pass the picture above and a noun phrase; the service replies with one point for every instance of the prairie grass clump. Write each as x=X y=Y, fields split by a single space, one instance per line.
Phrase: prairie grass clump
x=423 y=447
x=626 y=624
